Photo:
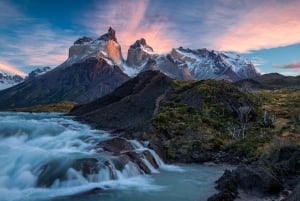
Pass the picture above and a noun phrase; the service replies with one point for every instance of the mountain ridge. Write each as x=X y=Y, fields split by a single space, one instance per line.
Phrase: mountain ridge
x=108 y=70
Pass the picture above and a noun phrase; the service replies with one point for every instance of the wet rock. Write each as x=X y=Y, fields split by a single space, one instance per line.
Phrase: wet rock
x=119 y=162
x=116 y=145
x=227 y=185
x=295 y=196
x=87 y=166
x=137 y=159
x=149 y=157
x=257 y=180
x=222 y=196
x=286 y=160
x=51 y=171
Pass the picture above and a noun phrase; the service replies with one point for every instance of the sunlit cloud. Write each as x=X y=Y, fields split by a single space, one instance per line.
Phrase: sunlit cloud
x=129 y=20
x=39 y=46
x=265 y=26
x=295 y=65
x=11 y=69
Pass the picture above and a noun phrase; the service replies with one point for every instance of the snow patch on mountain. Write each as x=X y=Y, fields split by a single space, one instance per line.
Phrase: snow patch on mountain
x=9 y=80
x=38 y=72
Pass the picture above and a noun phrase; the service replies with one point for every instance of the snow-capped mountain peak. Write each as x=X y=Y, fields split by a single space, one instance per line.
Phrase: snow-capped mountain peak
x=205 y=64
x=105 y=47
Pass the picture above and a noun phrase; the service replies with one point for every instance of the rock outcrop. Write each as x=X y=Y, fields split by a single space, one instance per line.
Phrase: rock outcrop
x=105 y=47
x=139 y=53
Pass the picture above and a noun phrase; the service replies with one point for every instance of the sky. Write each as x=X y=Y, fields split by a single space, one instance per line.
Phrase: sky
x=37 y=33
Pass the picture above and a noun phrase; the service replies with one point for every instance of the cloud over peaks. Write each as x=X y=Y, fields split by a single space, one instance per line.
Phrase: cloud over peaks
x=131 y=20
x=269 y=25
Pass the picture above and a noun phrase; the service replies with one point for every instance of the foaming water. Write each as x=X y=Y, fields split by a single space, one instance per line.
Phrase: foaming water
x=43 y=157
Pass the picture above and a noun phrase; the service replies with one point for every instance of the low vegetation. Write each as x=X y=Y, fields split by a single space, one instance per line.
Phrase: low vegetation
x=63 y=106
x=214 y=115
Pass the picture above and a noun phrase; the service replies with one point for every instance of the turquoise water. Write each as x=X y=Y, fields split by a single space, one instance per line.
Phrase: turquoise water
x=29 y=141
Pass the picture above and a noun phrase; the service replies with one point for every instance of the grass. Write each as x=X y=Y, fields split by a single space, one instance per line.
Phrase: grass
x=63 y=106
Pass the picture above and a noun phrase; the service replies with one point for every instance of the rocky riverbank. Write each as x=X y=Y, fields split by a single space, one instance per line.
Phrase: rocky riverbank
x=276 y=176
x=208 y=121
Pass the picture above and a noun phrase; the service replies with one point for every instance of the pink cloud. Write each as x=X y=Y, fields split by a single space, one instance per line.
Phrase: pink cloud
x=295 y=65
x=267 y=26
x=130 y=23
x=11 y=69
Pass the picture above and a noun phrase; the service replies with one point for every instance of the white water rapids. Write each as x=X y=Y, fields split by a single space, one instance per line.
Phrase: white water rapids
x=37 y=154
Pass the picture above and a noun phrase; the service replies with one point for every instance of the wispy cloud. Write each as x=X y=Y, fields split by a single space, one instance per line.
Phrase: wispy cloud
x=295 y=65
x=9 y=13
x=38 y=46
x=268 y=25
x=239 y=26
x=11 y=69
x=131 y=22
x=31 y=42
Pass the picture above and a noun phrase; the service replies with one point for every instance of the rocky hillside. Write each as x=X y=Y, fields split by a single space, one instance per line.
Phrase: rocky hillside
x=90 y=72
x=175 y=110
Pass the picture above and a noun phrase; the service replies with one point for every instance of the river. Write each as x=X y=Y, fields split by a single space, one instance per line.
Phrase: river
x=36 y=147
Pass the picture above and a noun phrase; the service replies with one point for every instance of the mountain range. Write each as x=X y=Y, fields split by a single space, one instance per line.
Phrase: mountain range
x=9 y=80
x=95 y=67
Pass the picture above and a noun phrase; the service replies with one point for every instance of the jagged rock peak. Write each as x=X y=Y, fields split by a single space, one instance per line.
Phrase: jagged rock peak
x=83 y=40
x=140 y=43
x=110 y=35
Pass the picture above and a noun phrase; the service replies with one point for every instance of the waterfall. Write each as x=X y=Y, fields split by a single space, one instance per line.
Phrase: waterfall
x=49 y=151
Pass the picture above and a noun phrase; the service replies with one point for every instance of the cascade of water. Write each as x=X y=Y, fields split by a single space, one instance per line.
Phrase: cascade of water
x=55 y=152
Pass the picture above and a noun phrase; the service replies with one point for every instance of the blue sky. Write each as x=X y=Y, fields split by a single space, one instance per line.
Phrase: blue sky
x=39 y=32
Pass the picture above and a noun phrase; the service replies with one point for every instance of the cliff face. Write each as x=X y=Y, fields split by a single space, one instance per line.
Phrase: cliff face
x=139 y=53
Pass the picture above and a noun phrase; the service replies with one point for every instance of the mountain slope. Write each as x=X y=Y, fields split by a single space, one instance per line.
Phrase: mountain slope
x=90 y=72
x=39 y=71
x=81 y=82
x=129 y=107
x=133 y=105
